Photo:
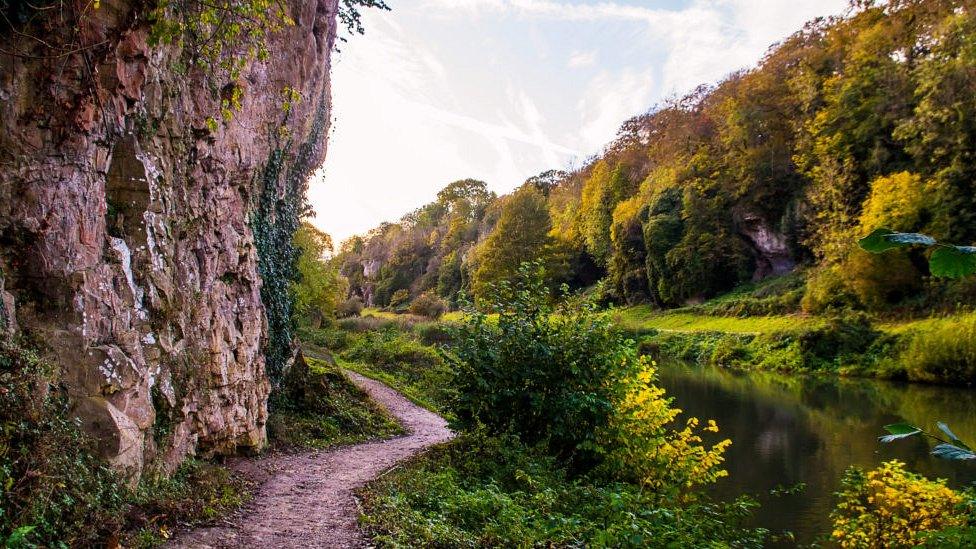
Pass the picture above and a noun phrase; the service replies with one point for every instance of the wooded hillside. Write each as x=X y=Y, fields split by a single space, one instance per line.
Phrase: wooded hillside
x=850 y=124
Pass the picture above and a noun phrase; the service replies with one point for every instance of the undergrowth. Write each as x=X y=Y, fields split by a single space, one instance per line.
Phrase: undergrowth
x=481 y=491
x=56 y=492
x=934 y=351
x=324 y=409
x=407 y=354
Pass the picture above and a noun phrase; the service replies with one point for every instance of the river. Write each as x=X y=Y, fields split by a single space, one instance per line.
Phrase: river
x=787 y=430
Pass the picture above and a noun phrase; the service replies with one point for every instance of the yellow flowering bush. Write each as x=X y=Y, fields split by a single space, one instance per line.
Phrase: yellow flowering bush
x=643 y=444
x=891 y=507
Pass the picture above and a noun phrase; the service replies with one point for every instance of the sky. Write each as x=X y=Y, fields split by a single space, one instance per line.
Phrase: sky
x=501 y=90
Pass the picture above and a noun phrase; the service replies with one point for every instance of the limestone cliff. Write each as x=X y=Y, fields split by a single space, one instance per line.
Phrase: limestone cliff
x=125 y=239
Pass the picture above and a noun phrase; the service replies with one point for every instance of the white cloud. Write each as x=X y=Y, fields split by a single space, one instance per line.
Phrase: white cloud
x=608 y=100
x=580 y=59
x=440 y=90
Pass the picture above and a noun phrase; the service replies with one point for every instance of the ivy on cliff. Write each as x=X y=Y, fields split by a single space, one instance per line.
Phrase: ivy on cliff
x=276 y=217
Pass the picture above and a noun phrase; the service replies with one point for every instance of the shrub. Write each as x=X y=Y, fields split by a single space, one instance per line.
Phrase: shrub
x=435 y=333
x=563 y=377
x=890 y=507
x=641 y=446
x=330 y=337
x=481 y=491
x=428 y=305
x=399 y=299
x=370 y=323
x=944 y=352
x=827 y=290
x=542 y=373
x=350 y=307
x=881 y=281
x=841 y=335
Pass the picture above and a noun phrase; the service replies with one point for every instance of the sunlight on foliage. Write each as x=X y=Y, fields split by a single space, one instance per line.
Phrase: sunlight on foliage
x=890 y=507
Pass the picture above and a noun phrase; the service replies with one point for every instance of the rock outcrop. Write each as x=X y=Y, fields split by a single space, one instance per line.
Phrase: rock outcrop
x=125 y=243
x=773 y=254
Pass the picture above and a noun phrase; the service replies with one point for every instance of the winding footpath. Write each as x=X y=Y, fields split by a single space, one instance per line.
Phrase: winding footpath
x=308 y=500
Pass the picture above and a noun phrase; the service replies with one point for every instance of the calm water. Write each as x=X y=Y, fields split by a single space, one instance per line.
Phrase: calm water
x=791 y=429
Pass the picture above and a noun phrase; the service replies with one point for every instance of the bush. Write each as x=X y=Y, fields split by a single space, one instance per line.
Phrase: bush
x=398 y=301
x=827 y=290
x=435 y=333
x=944 y=352
x=890 y=507
x=481 y=491
x=542 y=373
x=331 y=337
x=563 y=377
x=350 y=307
x=841 y=336
x=881 y=281
x=428 y=305
x=370 y=323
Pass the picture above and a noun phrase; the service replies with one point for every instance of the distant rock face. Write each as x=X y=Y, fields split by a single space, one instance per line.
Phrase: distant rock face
x=124 y=238
x=773 y=254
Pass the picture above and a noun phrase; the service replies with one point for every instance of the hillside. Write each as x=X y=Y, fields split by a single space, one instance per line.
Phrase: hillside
x=849 y=124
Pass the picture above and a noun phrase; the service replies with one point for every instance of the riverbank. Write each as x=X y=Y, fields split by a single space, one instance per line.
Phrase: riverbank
x=938 y=350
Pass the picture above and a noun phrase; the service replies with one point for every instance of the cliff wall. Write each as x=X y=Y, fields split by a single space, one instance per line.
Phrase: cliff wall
x=126 y=241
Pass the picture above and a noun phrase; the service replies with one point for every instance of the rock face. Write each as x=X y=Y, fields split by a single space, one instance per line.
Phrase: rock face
x=125 y=243
x=773 y=254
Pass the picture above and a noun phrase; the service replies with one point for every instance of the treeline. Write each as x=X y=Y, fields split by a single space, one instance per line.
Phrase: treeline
x=850 y=124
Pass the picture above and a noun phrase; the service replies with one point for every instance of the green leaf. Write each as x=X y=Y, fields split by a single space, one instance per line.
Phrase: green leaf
x=948 y=451
x=898 y=431
x=952 y=436
x=882 y=240
x=953 y=261
x=876 y=242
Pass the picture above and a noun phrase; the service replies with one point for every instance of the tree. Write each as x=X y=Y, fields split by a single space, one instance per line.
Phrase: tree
x=320 y=287
x=521 y=234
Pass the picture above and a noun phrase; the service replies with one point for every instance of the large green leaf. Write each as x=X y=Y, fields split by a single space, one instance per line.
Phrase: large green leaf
x=953 y=261
x=948 y=451
x=899 y=430
x=876 y=242
x=882 y=240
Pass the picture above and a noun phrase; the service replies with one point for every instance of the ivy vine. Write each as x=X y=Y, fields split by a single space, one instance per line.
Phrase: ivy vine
x=276 y=217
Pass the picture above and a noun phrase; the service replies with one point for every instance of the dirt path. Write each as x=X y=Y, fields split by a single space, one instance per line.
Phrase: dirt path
x=307 y=500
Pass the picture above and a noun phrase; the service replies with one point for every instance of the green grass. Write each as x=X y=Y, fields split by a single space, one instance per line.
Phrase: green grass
x=420 y=395
x=379 y=313
x=325 y=409
x=480 y=491
x=643 y=318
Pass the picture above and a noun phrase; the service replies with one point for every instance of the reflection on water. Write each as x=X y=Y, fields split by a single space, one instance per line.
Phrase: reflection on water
x=791 y=429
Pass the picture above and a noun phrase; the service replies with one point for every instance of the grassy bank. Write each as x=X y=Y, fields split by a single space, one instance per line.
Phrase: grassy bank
x=644 y=319
x=403 y=352
x=321 y=408
x=931 y=350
